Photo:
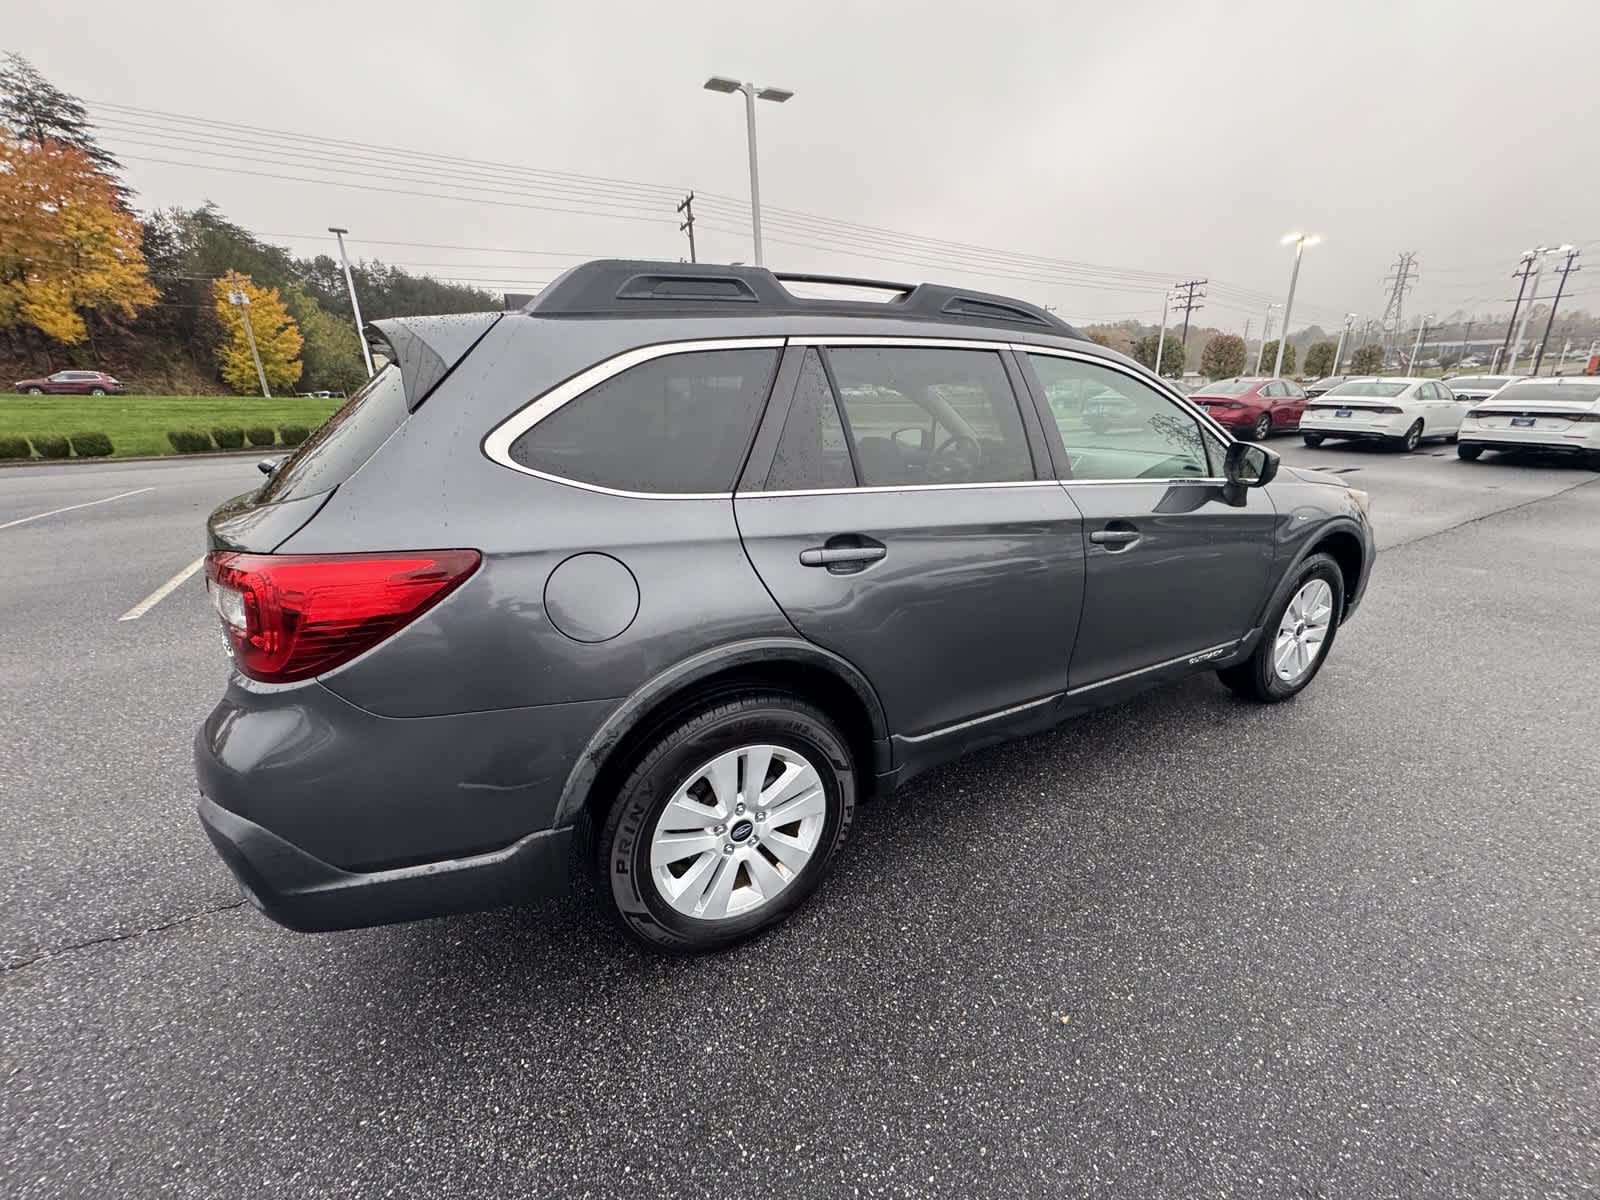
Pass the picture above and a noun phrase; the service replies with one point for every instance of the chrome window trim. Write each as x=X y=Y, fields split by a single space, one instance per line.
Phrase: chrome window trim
x=1171 y=662
x=497 y=444
x=983 y=720
x=937 y=343
x=904 y=487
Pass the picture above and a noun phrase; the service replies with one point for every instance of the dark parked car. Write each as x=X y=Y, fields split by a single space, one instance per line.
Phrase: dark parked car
x=1326 y=384
x=660 y=576
x=1253 y=407
x=72 y=383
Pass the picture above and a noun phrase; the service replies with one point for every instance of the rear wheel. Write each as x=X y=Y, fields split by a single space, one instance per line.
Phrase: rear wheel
x=1297 y=637
x=1313 y=440
x=1470 y=453
x=97 y=391
x=727 y=823
x=1262 y=429
x=35 y=391
x=1410 y=440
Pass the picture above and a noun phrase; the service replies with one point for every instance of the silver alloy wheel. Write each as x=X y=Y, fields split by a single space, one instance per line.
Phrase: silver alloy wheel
x=737 y=832
x=1414 y=436
x=1303 y=631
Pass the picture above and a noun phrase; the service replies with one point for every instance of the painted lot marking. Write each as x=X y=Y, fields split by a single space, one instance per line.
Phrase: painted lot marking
x=162 y=592
x=70 y=507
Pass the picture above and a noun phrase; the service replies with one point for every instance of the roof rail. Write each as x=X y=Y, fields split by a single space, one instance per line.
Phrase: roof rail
x=619 y=287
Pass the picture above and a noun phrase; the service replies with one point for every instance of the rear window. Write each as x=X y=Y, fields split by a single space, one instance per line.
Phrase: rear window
x=1476 y=383
x=680 y=424
x=1549 y=393
x=346 y=440
x=1369 y=387
x=1227 y=387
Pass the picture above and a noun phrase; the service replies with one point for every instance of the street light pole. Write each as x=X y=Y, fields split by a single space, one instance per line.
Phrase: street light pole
x=1422 y=332
x=752 y=93
x=355 y=305
x=1161 y=341
x=1301 y=241
x=1338 y=351
x=241 y=301
x=1266 y=330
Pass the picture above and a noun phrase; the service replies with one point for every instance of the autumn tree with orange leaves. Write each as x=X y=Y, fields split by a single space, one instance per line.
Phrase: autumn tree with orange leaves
x=67 y=245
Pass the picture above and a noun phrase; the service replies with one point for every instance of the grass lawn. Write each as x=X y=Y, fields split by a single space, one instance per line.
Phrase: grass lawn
x=138 y=424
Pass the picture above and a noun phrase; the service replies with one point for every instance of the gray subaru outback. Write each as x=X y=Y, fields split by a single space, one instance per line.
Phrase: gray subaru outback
x=657 y=578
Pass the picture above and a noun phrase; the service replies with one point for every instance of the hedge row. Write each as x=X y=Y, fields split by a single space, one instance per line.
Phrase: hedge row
x=49 y=445
x=231 y=437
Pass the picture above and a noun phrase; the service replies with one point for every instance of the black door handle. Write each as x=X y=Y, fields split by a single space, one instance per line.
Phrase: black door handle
x=829 y=556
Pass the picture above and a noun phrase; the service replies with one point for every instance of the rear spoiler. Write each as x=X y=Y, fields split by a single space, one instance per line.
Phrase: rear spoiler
x=426 y=349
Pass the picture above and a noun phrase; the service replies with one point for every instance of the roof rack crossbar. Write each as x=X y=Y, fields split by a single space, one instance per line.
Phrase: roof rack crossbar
x=878 y=285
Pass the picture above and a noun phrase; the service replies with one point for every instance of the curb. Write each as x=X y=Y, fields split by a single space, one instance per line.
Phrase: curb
x=253 y=452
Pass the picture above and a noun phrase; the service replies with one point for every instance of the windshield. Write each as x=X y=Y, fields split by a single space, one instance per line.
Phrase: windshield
x=1549 y=393
x=1227 y=387
x=1369 y=387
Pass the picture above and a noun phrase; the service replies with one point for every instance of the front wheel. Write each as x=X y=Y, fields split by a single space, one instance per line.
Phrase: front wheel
x=1297 y=637
x=1470 y=453
x=35 y=391
x=1313 y=440
x=727 y=823
x=97 y=391
x=1411 y=439
x=1262 y=429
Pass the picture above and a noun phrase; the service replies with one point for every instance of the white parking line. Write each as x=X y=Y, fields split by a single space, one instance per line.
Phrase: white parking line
x=70 y=507
x=162 y=592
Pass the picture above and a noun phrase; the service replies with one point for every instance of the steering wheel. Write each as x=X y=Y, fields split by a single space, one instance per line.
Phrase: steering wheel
x=956 y=461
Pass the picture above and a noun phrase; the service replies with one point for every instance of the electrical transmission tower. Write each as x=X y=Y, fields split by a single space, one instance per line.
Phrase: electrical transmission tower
x=1402 y=278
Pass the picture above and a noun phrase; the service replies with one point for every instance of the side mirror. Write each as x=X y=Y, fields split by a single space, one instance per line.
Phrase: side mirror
x=268 y=465
x=1249 y=465
x=913 y=440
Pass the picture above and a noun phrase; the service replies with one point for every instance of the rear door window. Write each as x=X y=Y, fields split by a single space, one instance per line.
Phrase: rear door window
x=918 y=416
x=812 y=453
x=347 y=439
x=680 y=424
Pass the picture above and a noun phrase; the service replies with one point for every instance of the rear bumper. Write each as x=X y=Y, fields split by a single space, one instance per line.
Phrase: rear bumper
x=1531 y=439
x=1355 y=430
x=299 y=890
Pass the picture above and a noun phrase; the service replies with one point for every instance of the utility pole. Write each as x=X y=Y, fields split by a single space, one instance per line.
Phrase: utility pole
x=1466 y=341
x=1266 y=332
x=687 y=208
x=1191 y=294
x=1529 y=257
x=1565 y=269
x=241 y=301
x=355 y=305
x=1338 y=351
x=1161 y=340
x=1416 y=351
x=1527 y=309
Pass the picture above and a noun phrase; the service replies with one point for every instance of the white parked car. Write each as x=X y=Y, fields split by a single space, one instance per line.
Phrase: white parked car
x=1397 y=411
x=1561 y=415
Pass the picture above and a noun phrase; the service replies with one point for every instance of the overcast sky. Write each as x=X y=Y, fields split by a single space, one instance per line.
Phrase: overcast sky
x=1178 y=139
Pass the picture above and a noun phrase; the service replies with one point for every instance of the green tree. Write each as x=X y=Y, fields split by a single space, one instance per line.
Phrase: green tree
x=1269 y=355
x=37 y=111
x=1223 y=357
x=1319 y=359
x=331 y=353
x=1367 y=360
x=1172 y=355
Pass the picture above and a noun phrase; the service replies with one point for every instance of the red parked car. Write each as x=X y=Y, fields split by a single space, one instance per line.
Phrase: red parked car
x=73 y=383
x=1253 y=407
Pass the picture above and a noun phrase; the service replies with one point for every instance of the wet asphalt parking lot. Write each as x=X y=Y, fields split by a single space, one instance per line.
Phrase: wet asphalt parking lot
x=1345 y=946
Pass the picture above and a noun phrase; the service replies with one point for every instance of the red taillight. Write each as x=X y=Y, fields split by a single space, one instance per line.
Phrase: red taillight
x=1387 y=410
x=292 y=616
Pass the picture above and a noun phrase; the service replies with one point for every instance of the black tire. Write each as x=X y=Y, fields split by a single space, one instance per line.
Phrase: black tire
x=1262 y=429
x=622 y=849
x=1470 y=453
x=35 y=391
x=1313 y=440
x=1254 y=678
x=1410 y=440
x=97 y=391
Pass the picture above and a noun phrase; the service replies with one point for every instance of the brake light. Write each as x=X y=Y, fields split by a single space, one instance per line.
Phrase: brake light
x=1387 y=410
x=292 y=616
